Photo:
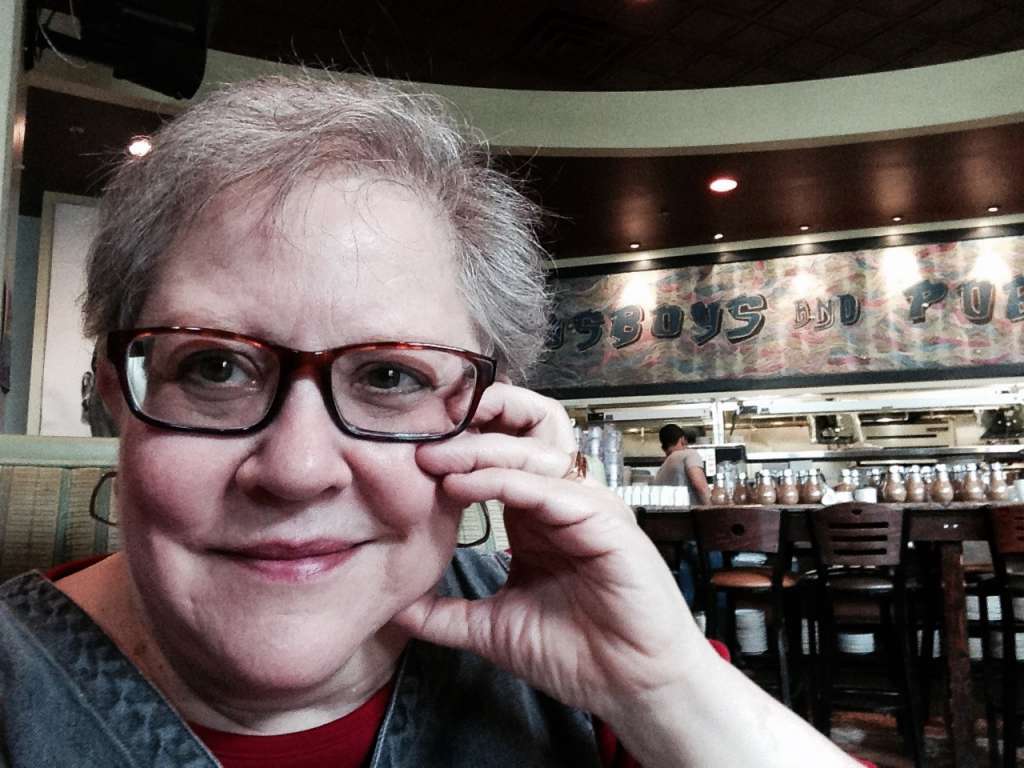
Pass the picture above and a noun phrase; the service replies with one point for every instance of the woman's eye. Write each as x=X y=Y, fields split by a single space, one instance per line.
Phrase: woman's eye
x=391 y=377
x=214 y=368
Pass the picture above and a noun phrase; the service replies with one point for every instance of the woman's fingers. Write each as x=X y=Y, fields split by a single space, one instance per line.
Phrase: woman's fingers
x=444 y=621
x=561 y=504
x=517 y=411
x=470 y=452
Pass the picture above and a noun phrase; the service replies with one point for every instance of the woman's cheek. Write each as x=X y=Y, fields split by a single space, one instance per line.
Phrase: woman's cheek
x=169 y=483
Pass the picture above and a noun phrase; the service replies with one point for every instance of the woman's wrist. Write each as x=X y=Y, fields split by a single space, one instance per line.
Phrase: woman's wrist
x=714 y=715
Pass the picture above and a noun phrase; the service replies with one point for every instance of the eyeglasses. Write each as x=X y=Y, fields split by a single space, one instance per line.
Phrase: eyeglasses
x=218 y=382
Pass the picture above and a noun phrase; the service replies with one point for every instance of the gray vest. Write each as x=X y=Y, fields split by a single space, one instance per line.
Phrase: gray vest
x=69 y=697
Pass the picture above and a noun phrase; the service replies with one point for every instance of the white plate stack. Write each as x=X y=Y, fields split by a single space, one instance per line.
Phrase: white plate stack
x=936 y=643
x=805 y=637
x=974 y=647
x=996 y=645
x=995 y=608
x=856 y=642
x=701 y=620
x=751 y=630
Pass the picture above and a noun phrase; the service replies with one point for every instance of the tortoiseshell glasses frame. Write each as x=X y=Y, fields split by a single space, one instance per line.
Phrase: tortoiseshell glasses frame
x=267 y=371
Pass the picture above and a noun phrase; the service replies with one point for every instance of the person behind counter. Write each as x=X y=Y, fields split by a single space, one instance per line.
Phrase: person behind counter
x=682 y=465
x=312 y=300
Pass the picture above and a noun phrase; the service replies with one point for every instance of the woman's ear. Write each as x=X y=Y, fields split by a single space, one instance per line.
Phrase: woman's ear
x=109 y=390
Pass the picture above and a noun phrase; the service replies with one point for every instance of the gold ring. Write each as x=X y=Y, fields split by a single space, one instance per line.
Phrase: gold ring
x=577 y=467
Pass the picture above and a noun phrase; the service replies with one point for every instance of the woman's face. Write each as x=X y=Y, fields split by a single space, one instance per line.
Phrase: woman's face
x=349 y=260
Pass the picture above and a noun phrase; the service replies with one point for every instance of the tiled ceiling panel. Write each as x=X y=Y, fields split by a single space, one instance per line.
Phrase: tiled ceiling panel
x=600 y=44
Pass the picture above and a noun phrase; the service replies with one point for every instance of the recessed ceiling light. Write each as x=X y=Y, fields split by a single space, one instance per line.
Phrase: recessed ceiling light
x=897 y=219
x=719 y=235
x=634 y=246
x=723 y=184
x=804 y=227
x=993 y=209
x=140 y=146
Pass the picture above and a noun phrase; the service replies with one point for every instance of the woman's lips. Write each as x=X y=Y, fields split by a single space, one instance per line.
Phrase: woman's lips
x=289 y=560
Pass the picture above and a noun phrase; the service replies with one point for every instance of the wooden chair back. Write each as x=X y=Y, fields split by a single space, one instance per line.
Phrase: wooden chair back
x=1006 y=539
x=854 y=533
x=731 y=530
x=739 y=529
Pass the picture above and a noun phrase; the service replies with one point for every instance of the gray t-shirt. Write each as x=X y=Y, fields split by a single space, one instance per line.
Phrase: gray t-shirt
x=673 y=470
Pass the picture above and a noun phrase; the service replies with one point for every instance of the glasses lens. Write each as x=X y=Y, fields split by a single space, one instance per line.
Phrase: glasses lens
x=201 y=381
x=396 y=391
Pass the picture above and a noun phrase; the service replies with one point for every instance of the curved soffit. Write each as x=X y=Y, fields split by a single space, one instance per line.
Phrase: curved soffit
x=943 y=97
x=972 y=93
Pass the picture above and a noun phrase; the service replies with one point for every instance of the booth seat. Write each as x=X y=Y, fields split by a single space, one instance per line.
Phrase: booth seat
x=45 y=486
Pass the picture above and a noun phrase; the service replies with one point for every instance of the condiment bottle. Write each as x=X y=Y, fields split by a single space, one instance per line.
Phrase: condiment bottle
x=998 y=490
x=845 y=484
x=788 y=492
x=719 y=494
x=972 y=489
x=956 y=478
x=893 y=489
x=916 y=491
x=764 y=492
x=741 y=495
x=810 y=491
x=927 y=477
x=942 y=487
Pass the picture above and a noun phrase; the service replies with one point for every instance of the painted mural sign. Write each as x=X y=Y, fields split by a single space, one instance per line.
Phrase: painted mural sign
x=940 y=306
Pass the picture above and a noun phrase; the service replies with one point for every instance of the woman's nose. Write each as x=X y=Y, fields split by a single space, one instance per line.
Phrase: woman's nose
x=299 y=456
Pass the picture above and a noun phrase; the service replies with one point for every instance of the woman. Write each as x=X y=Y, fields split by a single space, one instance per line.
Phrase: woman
x=289 y=517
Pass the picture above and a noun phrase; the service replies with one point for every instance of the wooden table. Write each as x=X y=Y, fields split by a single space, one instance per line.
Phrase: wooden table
x=946 y=527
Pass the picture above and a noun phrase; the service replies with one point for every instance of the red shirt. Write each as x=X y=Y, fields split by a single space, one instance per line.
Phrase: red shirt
x=343 y=743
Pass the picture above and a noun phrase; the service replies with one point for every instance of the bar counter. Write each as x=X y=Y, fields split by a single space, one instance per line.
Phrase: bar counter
x=946 y=526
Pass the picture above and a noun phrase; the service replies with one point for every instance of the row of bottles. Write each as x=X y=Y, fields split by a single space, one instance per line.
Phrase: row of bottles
x=895 y=485
x=965 y=483
x=785 y=487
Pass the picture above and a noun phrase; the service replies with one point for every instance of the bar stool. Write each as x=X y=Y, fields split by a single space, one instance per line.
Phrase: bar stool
x=1006 y=540
x=735 y=530
x=860 y=551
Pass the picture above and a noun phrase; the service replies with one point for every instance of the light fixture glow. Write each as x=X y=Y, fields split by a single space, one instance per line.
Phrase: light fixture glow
x=723 y=184
x=993 y=209
x=897 y=219
x=804 y=227
x=634 y=246
x=640 y=288
x=900 y=269
x=992 y=263
x=719 y=235
x=140 y=146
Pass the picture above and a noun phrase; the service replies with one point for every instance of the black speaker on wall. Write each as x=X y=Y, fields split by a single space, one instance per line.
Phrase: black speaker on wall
x=159 y=44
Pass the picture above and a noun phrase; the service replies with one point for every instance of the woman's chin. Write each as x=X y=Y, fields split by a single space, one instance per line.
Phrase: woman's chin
x=280 y=675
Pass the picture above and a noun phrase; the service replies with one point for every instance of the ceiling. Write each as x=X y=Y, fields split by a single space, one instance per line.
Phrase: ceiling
x=617 y=44
x=601 y=204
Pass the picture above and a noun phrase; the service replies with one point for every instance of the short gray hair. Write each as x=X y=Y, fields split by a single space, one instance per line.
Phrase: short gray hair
x=278 y=131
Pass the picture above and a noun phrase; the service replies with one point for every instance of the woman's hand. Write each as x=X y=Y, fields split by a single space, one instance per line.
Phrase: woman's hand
x=590 y=613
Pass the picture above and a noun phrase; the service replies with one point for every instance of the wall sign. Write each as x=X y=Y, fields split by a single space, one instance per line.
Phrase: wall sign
x=940 y=307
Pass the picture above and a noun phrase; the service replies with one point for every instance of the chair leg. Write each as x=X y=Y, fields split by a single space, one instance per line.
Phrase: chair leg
x=988 y=671
x=711 y=617
x=777 y=634
x=929 y=631
x=1011 y=723
x=810 y=664
x=915 y=726
x=825 y=667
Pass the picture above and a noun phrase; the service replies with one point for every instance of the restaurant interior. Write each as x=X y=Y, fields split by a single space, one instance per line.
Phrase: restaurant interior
x=794 y=229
